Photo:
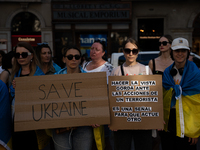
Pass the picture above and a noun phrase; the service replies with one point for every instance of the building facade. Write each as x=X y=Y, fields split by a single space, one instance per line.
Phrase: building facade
x=79 y=22
x=25 y=20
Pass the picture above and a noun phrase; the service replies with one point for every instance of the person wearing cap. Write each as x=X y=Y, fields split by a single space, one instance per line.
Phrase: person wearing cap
x=181 y=85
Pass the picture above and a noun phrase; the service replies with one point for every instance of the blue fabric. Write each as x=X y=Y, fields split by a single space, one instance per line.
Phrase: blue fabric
x=5 y=116
x=38 y=72
x=56 y=67
x=64 y=70
x=80 y=138
x=190 y=82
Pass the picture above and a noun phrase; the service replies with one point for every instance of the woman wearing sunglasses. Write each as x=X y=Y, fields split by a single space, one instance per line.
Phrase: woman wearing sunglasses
x=159 y=64
x=25 y=64
x=98 y=64
x=123 y=138
x=44 y=54
x=73 y=138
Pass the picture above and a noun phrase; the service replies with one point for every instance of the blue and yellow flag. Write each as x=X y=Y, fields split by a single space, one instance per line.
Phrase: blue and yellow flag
x=187 y=100
x=5 y=117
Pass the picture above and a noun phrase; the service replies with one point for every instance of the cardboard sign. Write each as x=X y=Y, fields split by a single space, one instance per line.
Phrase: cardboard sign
x=136 y=102
x=56 y=101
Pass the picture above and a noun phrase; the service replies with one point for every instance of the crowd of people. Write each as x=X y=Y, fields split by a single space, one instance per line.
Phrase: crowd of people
x=181 y=90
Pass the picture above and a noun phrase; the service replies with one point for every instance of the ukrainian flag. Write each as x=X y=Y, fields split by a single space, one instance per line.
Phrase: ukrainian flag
x=5 y=117
x=187 y=100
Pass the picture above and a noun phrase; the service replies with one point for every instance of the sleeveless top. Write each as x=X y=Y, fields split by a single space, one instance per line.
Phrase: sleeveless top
x=154 y=68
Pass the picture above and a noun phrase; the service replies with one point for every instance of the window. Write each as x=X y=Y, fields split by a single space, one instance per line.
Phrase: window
x=117 y=39
x=26 y=23
x=149 y=31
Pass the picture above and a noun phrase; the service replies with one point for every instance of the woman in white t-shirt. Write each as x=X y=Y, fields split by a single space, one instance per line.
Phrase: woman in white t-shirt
x=98 y=64
x=123 y=138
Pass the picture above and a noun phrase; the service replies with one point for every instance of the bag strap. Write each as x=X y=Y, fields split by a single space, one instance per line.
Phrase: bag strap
x=86 y=64
x=154 y=66
x=122 y=70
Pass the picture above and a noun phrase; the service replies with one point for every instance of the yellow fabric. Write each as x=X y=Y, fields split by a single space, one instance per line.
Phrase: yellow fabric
x=7 y=146
x=167 y=94
x=191 y=113
x=43 y=138
x=48 y=132
x=99 y=137
x=10 y=143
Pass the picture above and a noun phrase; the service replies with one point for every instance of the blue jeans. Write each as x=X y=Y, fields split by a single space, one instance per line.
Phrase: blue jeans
x=77 y=139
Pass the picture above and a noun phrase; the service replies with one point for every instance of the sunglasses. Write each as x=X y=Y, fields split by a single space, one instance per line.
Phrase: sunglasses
x=128 y=51
x=70 y=57
x=164 y=43
x=23 y=54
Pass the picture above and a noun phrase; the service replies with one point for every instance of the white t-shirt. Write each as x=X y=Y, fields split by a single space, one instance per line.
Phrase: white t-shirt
x=1 y=70
x=106 y=67
x=177 y=77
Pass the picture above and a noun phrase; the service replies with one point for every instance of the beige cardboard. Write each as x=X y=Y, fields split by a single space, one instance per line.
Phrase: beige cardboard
x=56 y=101
x=118 y=107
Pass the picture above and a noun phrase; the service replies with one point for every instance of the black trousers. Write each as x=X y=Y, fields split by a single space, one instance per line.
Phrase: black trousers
x=170 y=141
x=25 y=140
x=142 y=139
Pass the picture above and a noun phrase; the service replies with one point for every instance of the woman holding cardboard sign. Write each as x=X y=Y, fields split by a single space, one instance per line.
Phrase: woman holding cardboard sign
x=72 y=138
x=123 y=138
x=25 y=64
x=98 y=64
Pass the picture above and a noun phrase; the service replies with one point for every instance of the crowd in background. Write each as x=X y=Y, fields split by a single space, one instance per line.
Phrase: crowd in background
x=180 y=83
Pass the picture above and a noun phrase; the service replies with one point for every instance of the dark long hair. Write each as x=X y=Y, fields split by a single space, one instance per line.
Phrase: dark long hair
x=7 y=60
x=168 y=37
x=71 y=47
x=38 y=53
x=131 y=40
